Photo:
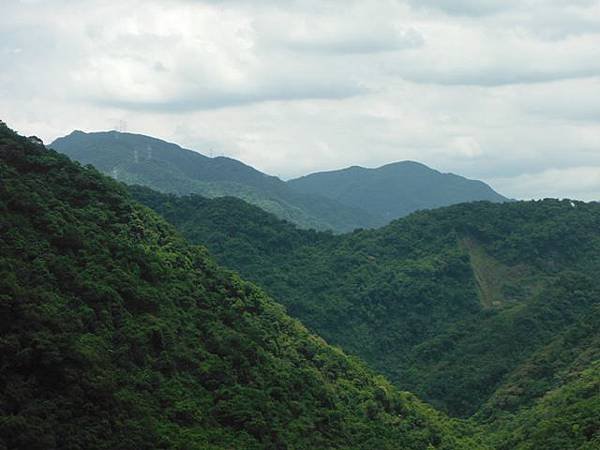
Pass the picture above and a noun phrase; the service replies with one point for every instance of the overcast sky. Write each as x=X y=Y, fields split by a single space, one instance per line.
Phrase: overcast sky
x=507 y=91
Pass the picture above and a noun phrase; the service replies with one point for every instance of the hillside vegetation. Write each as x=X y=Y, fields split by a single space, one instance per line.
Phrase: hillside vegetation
x=486 y=310
x=118 y=334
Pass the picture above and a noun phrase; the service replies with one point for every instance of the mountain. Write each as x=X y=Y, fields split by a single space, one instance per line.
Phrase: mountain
x=488 y=311
x=394 y=190
x=166 y=167
x=117 y=333
x=340 y=200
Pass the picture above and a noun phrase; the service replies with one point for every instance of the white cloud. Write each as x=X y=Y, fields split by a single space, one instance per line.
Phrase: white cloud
x=581 y=183
x=507 y=91
x=465 y=7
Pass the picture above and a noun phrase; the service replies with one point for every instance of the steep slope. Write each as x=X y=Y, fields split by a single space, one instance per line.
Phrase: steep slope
x=480 y=308
x=553 y=399
x=394 y=190
x=116 y=333
x=166 y=167
x=565 y=418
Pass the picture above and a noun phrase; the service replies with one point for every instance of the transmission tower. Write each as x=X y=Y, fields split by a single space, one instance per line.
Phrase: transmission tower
x=122 y=126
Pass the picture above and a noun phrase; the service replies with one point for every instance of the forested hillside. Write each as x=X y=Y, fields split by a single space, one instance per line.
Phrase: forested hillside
x=116 y=333
x=394 y=190
x=485 y=310
x=166 y=167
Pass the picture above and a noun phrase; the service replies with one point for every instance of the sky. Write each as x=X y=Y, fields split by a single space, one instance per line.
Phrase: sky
x=506 y=91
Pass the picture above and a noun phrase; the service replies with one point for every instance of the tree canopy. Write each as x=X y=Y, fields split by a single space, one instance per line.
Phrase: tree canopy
x=484 y=310
x=117 y=333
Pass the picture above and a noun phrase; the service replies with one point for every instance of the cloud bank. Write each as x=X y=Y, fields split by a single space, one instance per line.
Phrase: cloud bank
x=505 y=91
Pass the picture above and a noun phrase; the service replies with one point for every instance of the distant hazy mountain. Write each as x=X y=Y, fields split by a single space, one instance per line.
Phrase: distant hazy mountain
x=139 y=159
x=394 y=190
x=341 y=200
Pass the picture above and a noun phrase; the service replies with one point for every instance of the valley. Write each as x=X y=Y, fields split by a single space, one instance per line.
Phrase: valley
x=119 y=328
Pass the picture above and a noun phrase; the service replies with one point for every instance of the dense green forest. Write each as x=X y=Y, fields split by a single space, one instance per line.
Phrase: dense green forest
x=394 y=190
x=118 y=334
x=138 y=159
x=487 y=311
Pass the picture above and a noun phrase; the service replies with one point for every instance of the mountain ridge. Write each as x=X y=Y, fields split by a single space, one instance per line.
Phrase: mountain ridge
x=395 y=189
x=140 y=159
x=167 y=167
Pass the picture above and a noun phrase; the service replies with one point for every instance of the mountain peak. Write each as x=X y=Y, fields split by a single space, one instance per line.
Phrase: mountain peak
x=395 y=189
x=342 y=200
x=167 y=167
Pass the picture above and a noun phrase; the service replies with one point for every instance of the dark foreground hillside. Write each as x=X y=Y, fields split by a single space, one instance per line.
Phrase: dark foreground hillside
x=117 y=334
x=485 y=310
